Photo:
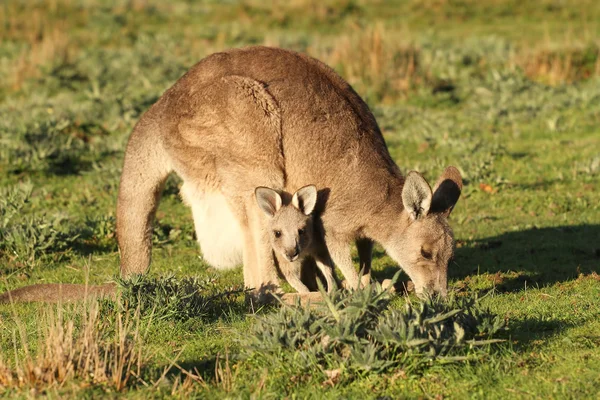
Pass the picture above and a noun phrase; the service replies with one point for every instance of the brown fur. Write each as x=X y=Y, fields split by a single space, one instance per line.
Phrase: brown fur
x=269 y=117
x=58 y=292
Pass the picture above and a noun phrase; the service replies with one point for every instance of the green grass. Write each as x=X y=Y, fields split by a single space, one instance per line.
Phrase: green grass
x=507 y=91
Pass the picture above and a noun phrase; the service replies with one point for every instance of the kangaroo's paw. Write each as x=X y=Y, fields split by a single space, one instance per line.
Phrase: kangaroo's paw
x=387 y=283
x=365 y=280
x=312 y=298
x=407 y=287
x=264 y=295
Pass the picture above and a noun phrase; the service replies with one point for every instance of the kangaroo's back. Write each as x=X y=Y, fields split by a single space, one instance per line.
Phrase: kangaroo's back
x=312 y=126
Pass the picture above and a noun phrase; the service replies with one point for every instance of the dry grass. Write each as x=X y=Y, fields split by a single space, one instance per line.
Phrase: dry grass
x=83 y=344
x=374 y=60
x=182 y=387
x=43 y=37
x=224 y=378
x=283 y=10
x=97 y=352
x=52 y=46
x=191 y=380
x=556 y=65
x=388 y=65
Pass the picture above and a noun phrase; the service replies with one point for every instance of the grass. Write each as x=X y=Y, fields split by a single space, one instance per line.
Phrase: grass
x=508 y=91
x=103 y=349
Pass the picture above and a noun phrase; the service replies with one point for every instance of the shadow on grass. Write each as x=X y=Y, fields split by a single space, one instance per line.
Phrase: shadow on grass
x=539 y=256
x=205 y=368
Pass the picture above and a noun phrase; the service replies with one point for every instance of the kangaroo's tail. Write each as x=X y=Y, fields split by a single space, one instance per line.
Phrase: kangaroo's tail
x=145 y=169
x=58 y=292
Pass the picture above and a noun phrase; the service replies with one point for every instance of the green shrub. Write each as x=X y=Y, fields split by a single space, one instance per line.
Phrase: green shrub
x=26 y=238
x=178 y=299
x=360 y=332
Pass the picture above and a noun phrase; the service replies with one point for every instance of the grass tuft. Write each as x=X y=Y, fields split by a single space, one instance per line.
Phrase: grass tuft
x=76 y=344
x=561 y=65
x=362 y=333
x=25 y=240
x=179 y=299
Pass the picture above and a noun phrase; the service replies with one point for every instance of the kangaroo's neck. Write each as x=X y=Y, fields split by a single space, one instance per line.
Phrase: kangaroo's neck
x=388 y=217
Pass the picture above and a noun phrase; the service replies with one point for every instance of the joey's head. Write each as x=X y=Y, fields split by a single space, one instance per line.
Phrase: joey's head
x=423 y=244
x=290 y=227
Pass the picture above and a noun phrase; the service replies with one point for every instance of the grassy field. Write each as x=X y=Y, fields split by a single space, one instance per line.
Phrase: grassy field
x=508 y=91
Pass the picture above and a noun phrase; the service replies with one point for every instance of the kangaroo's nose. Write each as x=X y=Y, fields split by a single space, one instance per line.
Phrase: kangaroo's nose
x=434 y=289
x=431 y=289
x=292 y=255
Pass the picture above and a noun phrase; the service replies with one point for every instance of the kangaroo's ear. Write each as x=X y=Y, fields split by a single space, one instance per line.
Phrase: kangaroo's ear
x=446 y=191
x=416 y=195
x=268 y=200
x=305 y=199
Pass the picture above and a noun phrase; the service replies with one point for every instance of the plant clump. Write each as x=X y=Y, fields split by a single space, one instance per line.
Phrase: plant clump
x=361 y=332
x=169 y=297
x=25 y=239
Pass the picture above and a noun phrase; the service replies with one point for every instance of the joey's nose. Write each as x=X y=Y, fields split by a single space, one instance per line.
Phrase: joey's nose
x=292 y=255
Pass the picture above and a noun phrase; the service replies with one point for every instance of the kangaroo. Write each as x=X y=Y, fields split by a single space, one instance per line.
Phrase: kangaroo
x=294 y=234
x=261 y=116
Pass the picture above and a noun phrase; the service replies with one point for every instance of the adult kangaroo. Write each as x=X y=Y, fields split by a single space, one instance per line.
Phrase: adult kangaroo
x=270 y=117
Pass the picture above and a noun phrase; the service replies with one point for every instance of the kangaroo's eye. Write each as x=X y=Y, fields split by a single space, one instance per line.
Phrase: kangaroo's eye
x=301 y=231
x=277 y=234
x=426 y=253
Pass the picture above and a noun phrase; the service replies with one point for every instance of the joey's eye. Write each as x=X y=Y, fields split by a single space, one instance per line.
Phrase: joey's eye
x=301 y=231
x=277 y=234
x=426 y=253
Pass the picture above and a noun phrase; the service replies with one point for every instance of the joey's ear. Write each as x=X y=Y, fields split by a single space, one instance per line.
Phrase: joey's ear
x=416 y=195
x=447 y=191
x=268 y=200
x=305 y=199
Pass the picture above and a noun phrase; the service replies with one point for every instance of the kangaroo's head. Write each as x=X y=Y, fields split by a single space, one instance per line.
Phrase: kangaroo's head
x=424 y=245
x=290 y=226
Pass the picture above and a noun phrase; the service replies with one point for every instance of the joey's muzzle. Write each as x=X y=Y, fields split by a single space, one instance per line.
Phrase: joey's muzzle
x=292 y=255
